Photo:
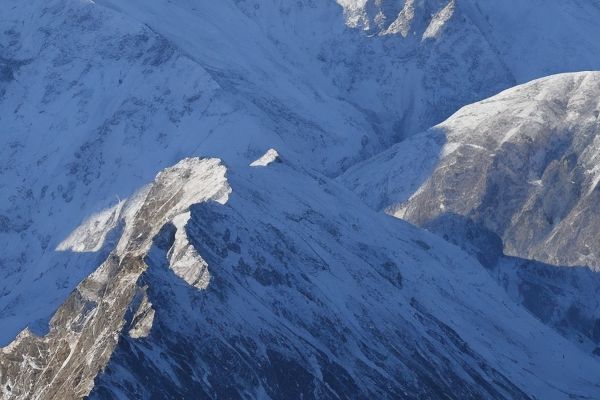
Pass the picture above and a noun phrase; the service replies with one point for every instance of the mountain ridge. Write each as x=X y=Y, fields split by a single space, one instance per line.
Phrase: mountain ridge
x=320 y=299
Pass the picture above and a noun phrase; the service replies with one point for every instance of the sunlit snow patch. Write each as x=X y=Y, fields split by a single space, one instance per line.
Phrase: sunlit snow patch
x=269 y=157
x=92 y=234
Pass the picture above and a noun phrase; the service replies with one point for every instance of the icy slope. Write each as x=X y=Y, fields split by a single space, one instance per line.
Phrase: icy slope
x=400 y=85
x=309 y=294
x=539 y=37
x=566 y=299
x=532 y=38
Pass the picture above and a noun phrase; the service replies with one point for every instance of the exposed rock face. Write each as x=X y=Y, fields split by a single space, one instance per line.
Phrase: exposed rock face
x=85 y=329
x=389 y=17
x=143 y=319
x=97 y=97
x=523 y=165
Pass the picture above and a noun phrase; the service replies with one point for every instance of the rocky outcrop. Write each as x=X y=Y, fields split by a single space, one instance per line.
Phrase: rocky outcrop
x=86 y=328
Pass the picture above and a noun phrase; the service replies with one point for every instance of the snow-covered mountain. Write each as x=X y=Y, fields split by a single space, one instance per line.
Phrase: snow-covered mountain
x=516 y=174
x=531 y=38
x=97 y=97
x=304 y=292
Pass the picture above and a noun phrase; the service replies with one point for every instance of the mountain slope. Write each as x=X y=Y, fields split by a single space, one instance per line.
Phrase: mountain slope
x=305 y=292
x=516 y=174
x=94 y=104
x=523 y=165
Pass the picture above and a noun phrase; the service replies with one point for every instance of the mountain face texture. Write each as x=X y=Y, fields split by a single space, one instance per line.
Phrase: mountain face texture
x=516 y=174
x=522 y=165
x=303 y=296
x=193 y=199
x=85 y=329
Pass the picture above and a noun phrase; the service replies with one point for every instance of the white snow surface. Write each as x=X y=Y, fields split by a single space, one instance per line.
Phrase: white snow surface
x=269 y=157
x=97 y=97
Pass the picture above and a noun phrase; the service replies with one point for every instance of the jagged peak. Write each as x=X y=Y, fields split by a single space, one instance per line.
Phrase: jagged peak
x=424 y=18
x=101 y=301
